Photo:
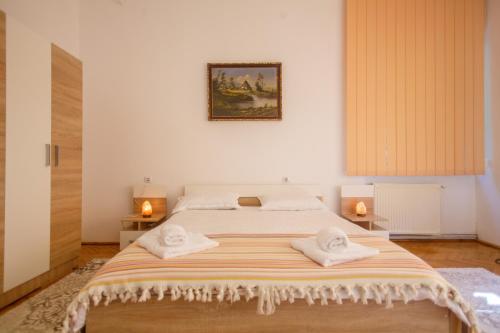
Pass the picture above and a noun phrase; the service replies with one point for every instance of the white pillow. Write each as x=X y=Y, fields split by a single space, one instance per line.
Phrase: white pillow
x=290 y=202
x=207 y=201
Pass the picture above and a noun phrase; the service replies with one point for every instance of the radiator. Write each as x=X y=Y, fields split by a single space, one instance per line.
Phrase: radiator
x=409 y=208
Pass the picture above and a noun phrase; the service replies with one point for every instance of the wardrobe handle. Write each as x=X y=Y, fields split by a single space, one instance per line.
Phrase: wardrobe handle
x=56 y=155
x=47 y=154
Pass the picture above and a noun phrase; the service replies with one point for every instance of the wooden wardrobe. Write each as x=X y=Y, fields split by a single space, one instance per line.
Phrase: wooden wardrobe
x=40 y=161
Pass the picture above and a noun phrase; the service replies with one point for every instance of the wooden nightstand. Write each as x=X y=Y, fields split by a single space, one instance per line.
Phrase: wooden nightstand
x=367 y=222
x=137 y=222
x=133 y=226
x=370 y=221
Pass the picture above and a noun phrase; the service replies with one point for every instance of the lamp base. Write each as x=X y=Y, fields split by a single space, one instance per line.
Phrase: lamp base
x=146 y=216
x=361 y=215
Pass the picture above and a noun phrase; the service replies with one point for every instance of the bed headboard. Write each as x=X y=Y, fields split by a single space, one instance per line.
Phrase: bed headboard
x=249 y=192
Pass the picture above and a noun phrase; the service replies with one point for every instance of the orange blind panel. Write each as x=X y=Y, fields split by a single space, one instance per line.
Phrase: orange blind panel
x=414 y=87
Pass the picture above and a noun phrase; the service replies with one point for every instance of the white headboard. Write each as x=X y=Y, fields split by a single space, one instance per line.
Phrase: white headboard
x=251 y=190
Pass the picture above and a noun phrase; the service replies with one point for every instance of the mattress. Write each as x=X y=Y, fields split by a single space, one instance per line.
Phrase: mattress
x=255 y=260
x=252 y=220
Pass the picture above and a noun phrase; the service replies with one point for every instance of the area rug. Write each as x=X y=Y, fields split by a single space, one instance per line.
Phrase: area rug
x=45 y=311
x=482 y=289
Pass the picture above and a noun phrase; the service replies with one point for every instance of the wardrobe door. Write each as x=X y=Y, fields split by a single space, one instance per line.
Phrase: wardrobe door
x=27 y=181
x=66 y=207
x=66 y=211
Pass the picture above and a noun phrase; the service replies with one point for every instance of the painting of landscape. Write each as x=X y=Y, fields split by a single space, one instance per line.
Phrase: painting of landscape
x=244 y=91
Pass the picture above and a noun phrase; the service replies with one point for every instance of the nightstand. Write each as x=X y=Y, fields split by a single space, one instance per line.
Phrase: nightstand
x=350 y=196
x=368 y=222
x=134 y=225
x=137 y=222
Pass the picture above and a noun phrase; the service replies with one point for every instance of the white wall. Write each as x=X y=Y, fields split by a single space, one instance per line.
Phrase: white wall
x=145 y=96
x=488 y=186
x=55 y=20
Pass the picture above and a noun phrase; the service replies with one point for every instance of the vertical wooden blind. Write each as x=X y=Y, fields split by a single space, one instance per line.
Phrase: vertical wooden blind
x=414 y=85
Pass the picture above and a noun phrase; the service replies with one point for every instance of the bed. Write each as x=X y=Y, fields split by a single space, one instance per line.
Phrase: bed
x=255 y=282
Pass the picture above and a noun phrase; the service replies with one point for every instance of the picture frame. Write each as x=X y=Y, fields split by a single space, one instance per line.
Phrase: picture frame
x=244 y=91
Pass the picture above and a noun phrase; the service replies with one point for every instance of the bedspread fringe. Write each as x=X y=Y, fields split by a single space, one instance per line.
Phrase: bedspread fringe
x=269 y=296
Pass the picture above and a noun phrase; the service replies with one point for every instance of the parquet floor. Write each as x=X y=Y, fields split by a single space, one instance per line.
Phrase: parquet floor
x=466 y=253
x=89 y=252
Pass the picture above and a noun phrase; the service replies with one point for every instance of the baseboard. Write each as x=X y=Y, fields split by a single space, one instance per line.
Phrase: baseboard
x=489 y=244
x=100 y=243
x=434 y=237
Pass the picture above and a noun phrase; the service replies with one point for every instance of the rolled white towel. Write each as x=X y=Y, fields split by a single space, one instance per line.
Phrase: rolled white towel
x=332 y=239
x=195 y=242
x=309 y=246
x=173 y=235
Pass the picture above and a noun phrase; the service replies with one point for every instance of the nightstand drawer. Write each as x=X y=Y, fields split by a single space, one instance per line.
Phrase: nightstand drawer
x=127 y=237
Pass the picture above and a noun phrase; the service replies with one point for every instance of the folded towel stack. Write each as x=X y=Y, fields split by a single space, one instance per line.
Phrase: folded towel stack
x=156 y=240
x=332 y=239
x=329 y=247
x=173 y=235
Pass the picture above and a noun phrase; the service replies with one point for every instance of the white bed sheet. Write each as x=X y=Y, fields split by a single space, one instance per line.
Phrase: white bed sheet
x=252 y=220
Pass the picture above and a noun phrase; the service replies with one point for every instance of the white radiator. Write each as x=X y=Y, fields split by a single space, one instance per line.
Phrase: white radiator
x=410 y=208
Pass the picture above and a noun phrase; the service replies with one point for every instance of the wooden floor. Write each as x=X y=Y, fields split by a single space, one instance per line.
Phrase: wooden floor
x=466 y=253
x=90 y=252
x=446 y=253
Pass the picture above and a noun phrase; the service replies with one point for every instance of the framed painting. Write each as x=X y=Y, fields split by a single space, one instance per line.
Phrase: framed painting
x=244 y=91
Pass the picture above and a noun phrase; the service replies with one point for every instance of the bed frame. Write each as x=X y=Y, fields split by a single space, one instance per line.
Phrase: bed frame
x=181 y=316
x=195 y=317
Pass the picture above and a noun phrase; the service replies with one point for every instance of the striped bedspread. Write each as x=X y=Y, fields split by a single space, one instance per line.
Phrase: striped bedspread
x=265 y=266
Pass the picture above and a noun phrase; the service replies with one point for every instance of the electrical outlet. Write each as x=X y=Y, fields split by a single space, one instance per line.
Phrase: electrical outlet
x=147 y=179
